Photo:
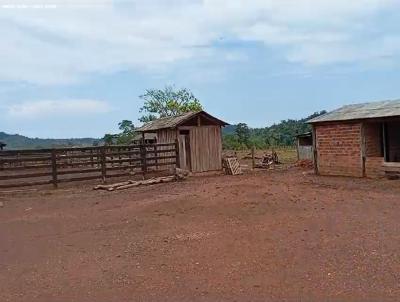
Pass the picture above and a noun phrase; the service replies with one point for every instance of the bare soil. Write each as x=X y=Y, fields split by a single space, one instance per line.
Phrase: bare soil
x=266 y=236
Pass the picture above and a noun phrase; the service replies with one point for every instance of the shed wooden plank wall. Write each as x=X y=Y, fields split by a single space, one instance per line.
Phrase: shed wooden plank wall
x=206 y=148
x=166 y=136
x=305 y=152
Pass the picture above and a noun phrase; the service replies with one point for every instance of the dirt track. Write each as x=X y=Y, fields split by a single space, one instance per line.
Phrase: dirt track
x=273 y=236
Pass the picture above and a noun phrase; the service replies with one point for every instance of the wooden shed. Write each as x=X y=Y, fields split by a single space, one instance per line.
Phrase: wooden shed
x=361 y=140
x=199 y=136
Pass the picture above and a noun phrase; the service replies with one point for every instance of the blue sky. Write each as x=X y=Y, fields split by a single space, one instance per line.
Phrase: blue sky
x=76 y=68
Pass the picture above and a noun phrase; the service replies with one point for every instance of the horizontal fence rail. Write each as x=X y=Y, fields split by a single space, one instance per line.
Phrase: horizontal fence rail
x=19 y=168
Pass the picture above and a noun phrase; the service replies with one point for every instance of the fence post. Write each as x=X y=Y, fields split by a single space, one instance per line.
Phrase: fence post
x=54 y=168
x=253 y=160
x=103 y=163
x=144 y=159
x=156 y=155
x=177 y=163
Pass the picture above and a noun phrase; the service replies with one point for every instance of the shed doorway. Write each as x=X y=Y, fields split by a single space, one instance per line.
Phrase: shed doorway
x=184 y=150
x=391 y=134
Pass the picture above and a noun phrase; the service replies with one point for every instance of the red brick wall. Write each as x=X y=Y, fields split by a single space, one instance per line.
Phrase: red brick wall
x=339 y=149
x=374 y=167
x=373 y=150
x=373 y=141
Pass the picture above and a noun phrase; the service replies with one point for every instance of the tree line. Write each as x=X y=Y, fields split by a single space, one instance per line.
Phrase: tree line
x=241 y=136
x=158 y=103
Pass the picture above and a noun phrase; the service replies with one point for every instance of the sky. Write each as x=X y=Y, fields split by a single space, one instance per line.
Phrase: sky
x=75 y=68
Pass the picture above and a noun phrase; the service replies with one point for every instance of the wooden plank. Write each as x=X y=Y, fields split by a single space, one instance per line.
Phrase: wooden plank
x=83 y=171
x=137 y=152
x=17 y=168
x=123 y=160
x=78 y=164
x=30 y=175
x=124 y=167
x=161 y=151
x=26 y=184
x=63 y=180
x=72 y=156
x=233 y=166
x=162 y=164
x=24 y=159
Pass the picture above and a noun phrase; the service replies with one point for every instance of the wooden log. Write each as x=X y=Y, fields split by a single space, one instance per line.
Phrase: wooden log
x=131 y=183
x=105 y=187
x=148 y=182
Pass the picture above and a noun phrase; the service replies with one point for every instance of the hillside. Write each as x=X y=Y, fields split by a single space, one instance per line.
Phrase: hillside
x=16 y=141
x=280 y=134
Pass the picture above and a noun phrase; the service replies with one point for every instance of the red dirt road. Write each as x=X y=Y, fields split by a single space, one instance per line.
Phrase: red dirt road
x=271 y=236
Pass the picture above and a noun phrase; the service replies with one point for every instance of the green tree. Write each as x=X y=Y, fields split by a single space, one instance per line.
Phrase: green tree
x=126 y=126
x=127 y=134
x=281 y=134
x=243 y=133
x=108 y=139
x=167 y=102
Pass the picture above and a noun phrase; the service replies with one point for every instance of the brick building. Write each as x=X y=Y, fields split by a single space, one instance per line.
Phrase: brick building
x=361 y=140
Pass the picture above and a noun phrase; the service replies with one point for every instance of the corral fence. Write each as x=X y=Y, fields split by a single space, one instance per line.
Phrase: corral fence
x=19 y=168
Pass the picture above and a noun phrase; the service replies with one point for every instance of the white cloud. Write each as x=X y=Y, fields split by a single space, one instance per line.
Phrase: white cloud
x=66 y=43
x=57 y=108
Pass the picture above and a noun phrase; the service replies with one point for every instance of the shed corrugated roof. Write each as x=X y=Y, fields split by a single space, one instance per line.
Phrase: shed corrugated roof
x=306 y=134
x=361 y=111
x=175 y=121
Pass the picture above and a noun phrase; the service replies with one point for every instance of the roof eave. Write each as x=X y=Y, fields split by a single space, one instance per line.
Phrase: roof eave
x=221 y=122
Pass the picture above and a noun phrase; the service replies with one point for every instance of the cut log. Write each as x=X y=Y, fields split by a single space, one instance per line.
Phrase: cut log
x=133 y=183
x=147 y=182
x=105 y=187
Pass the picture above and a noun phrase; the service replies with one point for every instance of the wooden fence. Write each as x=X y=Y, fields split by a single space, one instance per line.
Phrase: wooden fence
x=20 y=168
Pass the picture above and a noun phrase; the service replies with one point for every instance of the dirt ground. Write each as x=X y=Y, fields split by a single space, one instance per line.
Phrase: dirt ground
x=266 y=236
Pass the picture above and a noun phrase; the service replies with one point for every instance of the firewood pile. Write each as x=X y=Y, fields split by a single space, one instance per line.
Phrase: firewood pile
x=179 y=175
x=268 y=160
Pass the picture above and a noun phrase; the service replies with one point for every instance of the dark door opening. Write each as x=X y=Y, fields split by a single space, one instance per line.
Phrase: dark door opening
x=391 y=141
x=184 y=150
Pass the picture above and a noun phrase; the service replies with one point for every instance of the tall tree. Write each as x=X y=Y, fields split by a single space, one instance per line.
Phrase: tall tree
x=128 y=132
x=243 y=134
x=167 y=102
x=108 y=139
